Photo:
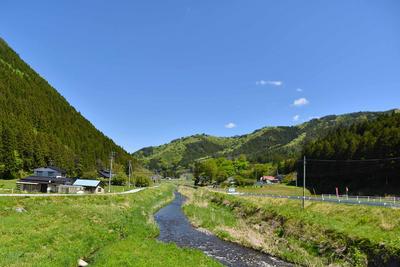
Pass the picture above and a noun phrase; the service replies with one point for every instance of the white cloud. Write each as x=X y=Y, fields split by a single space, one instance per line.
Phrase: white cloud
x=230 y=125
x=273 y=83
x=301 y=102
x=299 y=90
x=296 y=117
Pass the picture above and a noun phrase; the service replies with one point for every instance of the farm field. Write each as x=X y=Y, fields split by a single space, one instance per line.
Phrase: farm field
x=102 y=230
x=320 y=235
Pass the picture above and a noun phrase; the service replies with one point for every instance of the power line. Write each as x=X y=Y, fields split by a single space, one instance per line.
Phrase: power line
x=350 y=160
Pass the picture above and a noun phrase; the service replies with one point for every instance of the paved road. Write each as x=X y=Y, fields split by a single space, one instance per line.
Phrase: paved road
x=72 y=195
x=383 y=203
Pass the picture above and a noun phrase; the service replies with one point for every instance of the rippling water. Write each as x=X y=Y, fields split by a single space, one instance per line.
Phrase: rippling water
x=175 y=227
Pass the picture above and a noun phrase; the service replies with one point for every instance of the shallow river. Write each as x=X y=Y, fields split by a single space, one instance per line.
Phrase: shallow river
x=175 y=227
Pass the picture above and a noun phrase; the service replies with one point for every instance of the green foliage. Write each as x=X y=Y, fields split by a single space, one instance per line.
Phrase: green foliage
x=218 y=170
x=142 y=181
x=119 y=179
x=38 y=127
x=378 y=139
x=269 y=144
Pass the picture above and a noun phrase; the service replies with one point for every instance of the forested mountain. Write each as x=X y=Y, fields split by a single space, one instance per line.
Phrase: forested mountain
x=39 y=127
x=364 y=157
x=263 y=145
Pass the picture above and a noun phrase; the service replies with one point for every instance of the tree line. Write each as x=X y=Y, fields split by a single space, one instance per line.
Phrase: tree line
x=39 y=127
x=362 y=158
x=221 y=170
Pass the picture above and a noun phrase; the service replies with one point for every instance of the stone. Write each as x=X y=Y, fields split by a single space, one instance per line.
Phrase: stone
x=19 y=209
x=82 y=263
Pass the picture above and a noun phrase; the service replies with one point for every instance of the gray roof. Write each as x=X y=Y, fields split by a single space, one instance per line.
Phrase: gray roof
x=47 y=180
x=105 y=173
x=50 y=168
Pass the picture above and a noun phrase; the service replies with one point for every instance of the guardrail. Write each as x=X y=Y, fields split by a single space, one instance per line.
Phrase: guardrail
x=341 y=199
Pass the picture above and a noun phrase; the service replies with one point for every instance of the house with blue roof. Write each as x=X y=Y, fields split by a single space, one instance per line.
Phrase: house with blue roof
x=89 y=186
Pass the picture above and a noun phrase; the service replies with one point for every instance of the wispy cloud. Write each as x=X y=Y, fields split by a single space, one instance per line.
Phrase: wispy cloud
x=296 y=118
x=273 y=83
x=301 y=102
x=299 y=90
x=230 y=125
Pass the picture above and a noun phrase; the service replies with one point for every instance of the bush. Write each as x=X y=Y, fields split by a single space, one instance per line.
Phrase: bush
x=119 y=179
x=142 y=181
x=241 y=181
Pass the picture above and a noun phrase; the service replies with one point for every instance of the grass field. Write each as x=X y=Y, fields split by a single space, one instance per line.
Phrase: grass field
x=320 y=235
x=103 y=230
x=118 y=188
x=6 y=185
x=275 y=189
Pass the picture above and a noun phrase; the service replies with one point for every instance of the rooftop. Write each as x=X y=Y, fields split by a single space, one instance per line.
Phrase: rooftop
x=89 y=183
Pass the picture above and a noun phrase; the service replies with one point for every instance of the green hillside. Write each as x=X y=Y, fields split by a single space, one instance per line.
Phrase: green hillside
x=363 y=157
x=263 y=145
x=38 y=126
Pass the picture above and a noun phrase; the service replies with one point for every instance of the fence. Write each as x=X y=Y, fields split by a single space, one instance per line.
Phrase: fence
x=341 y=199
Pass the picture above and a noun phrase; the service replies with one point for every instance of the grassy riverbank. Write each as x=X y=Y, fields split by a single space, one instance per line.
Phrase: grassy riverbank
x=103 y=230
x=323 y=234
x=275 y=189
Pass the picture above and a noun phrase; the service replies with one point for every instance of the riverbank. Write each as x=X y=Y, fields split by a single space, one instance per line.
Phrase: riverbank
x=175 y=227
x=116 y=230
x=324 y=234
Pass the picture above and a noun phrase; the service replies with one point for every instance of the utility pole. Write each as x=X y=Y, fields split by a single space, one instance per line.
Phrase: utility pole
x=304 y=180
x=109 y=178
x=129 y=176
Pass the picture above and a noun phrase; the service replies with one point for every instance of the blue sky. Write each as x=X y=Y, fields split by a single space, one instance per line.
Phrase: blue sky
x=147 y=72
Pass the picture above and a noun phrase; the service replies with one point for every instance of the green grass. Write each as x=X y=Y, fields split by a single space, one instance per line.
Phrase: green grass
x=320 y=235
x=275 y=189
x=103 y=230
x=118 y=188
x=7 y=185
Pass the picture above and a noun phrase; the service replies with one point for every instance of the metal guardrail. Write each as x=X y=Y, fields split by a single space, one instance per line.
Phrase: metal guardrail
x=341 y=199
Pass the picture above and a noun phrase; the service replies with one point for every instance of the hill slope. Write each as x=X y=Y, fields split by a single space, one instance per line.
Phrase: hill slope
x=38 y=126
x=263 y=145
x=363 y=157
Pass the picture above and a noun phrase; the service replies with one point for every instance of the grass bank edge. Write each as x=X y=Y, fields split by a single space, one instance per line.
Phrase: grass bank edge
x=301 y=237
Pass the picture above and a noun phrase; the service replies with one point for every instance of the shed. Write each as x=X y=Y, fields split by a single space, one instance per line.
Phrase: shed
x=90 y=186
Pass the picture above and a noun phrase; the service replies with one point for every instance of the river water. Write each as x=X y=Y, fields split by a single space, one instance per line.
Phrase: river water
x=175 y=227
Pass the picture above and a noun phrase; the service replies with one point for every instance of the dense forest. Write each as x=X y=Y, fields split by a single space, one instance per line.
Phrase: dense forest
x=39 y=127
x=364 y=157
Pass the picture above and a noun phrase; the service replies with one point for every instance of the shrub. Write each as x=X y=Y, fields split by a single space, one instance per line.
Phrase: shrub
x=142 y=181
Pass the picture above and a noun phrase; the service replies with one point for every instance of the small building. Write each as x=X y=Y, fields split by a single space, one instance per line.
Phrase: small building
x=89 y=186
x=49 y=171
x=70 y=189
x=269 y=179
x=156 y=178
x=42 y=183
x=105 y=173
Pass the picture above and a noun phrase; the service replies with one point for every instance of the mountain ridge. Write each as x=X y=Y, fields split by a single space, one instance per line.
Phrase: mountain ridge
x=261 y=145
